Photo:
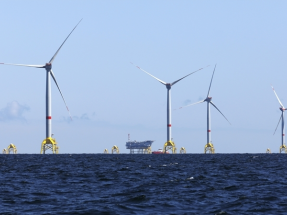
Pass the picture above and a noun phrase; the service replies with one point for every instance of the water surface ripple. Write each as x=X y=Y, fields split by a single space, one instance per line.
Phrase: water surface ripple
x=143 y=184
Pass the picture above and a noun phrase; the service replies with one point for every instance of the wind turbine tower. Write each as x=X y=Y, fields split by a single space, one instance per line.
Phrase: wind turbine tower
x=283 y=147
x=169 y=145
x=49 y=142
x=209 y=147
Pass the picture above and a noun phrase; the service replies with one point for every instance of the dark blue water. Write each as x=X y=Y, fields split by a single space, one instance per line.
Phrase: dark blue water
x=143 y=184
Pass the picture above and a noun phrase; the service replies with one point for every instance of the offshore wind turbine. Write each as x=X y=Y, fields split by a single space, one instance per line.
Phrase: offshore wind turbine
x=169 y=143
x=282 y=108
x=209 y=146
x=49 y=142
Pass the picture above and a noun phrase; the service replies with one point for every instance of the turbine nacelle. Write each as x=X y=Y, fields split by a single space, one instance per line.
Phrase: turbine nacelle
x=168 y=86
x=208 y=99
x=48 y=67
x=282 y=109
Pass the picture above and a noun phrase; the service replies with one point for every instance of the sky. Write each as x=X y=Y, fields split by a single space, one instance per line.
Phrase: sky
x=109 y=98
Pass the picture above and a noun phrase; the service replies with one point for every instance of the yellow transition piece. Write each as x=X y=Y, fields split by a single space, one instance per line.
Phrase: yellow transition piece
x=169 y=145
x=147 y=151
x=209 y=148
x=49 y=143
x=182 y=150
x=283 y=148
x=11 y=149
x=115 y=150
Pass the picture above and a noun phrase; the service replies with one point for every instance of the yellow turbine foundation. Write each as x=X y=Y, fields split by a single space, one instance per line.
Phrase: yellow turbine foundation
x=106 y=151
x=268 y=151
x=209 y=148
x=182 y=150
x=283 y=149
x=11 y=149
x=4 y=151
x=147 y=151
x=115 y=150
x=49 y=144
x=169 y=145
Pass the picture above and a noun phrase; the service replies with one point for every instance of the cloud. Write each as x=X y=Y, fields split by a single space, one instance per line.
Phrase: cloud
x=13 y=111
x=83 y=117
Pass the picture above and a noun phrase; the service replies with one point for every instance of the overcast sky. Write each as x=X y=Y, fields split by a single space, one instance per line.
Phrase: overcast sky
x=110 y=98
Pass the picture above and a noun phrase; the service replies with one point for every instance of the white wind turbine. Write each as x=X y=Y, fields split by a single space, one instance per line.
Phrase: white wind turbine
x=282 y=108
x=168 y=87
x=49 y=142
x=209 y=145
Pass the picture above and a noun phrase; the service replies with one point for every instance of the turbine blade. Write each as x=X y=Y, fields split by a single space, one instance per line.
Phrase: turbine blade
x=53 y=76
x=192 y=104
x=36 y=66
x=211 y=81
x=220 y=112
x=277 y=97
x=150 y=75
x=53 y=58
x=278 y=124
x=187 y=75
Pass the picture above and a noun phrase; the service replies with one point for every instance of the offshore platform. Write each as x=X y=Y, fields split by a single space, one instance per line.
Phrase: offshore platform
x=143 y=147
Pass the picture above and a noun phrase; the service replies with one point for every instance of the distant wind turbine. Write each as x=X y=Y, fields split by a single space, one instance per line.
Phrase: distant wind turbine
x=209 y=145
x=168 y=87
x=282 y=108
x=49 y=142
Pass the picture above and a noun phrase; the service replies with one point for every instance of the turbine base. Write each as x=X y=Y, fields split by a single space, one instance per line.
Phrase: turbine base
x=11 y=149
x=147 y=150
x=182 y=150
x=169 y=145
x=209 y=149
x=49 y=144
x=283 y=149
x=268 y=151
x=115 y=150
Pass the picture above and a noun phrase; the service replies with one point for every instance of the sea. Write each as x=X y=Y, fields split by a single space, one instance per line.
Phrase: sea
x=143 y=184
